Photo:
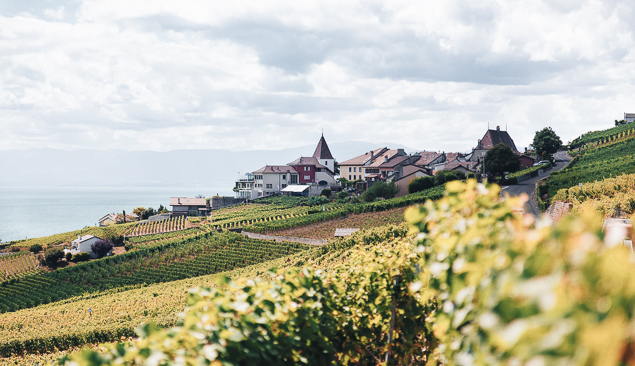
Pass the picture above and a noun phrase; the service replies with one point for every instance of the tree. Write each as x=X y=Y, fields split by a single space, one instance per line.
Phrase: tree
x=162 y=209
x=501 y=158
x=101 y=247
x=139 y=211
x=53 y=255
x=35 y=248
x=419 y=184
x=380 y=190
x=336 y=168
x=546 y=141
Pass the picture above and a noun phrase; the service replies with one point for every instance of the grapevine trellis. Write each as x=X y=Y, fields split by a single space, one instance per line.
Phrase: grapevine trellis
x=18 y=265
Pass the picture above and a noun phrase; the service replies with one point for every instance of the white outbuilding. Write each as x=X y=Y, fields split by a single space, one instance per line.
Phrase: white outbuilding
x=83 y=243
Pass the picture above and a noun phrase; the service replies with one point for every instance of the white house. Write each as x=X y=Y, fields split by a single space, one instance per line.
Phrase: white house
x=83 y=243
x=629 y=117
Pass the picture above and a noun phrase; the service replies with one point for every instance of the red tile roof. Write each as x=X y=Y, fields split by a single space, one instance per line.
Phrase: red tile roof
x=184 y=201
x=303 y=160
x=455 y=164
x=362 y=159
x=394 y=161
x=495 y=137
x=427 y=157
x=276 y=169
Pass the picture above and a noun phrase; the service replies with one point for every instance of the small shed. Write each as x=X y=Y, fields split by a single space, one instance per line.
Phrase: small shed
x=296 y=190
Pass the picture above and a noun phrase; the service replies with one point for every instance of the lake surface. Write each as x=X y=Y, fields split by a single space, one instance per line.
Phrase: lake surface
x=29 y=212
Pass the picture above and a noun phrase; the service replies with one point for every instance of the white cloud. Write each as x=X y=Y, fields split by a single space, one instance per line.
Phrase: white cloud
x=164 y=75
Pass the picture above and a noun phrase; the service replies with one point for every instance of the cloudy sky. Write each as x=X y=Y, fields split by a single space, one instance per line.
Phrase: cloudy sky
x=240 y=75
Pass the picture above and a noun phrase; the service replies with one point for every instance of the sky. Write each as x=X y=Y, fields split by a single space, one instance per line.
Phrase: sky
x=246 y=75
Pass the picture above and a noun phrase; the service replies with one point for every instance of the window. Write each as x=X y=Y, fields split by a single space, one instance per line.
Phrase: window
x=269 y=186
x=354 y=177
x=257 y=176
x=294 y=178
x=307 y=168
x=284 y=186
x=349 y=170
x=354 y=169
x=307 y=177
x=284 y=176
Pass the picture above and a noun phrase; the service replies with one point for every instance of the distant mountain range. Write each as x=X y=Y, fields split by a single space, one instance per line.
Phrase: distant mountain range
x=213 y=168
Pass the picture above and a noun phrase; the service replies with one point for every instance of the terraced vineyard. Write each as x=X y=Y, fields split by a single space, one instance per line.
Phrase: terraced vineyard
x=611 y=197
x=326 y=229
x=102 y=232
x=176 y=259
x=595 y=164
x=159 y=227
x=116 y=312
x=149 y=238
x=17 y=265
x=276 y=226
x=597 y=138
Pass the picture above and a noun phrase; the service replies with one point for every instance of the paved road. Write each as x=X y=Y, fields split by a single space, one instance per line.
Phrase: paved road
x=562 y=159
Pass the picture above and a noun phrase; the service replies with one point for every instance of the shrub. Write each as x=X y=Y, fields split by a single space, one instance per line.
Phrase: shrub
x=81 y=257
x=15 y=249
x=101 y=247
x=53 y=255
x=129 y=247
x=35 y=248
x=419 y=184
x=326 y=192
x=471 y=176
x=380 y=190
x=450 y=176
x=69 y=256
x=342 y=195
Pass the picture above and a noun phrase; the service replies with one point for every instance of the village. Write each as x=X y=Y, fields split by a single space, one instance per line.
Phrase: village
x=308 y=176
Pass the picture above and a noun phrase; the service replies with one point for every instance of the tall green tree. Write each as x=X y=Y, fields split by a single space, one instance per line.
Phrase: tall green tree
x=501 y=158
x=546 y=141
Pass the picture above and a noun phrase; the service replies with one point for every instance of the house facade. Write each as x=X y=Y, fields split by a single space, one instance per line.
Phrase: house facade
x=412 y=172
x=629 y=117
x=245 y=187
x=270 y=179
x=184 y=206
x=489 y=140
x=317 y=170
x=84 y=243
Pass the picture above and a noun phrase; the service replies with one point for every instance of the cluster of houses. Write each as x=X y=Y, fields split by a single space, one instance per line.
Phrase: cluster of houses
x=308 y=176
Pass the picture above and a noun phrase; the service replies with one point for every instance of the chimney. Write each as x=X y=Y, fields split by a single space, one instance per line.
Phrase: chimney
x=385 y=159
x=498 y=128
x=401 y=152
x=372 y=155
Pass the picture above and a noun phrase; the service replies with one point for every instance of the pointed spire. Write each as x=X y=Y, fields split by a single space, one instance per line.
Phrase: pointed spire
x=322 y=150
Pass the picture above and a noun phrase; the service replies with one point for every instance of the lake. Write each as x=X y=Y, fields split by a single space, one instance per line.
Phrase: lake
x=29 y=212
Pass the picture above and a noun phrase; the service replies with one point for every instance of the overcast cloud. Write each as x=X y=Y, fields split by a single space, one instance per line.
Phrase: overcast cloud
x=241 y=75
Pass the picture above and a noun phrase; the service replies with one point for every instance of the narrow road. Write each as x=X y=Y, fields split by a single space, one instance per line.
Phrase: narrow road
x=562 y=159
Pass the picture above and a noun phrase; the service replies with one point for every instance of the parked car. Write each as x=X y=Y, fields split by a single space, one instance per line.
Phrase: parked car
x=542 y=162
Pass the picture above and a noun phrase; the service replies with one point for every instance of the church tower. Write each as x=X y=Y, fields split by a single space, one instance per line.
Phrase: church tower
x=323 y=155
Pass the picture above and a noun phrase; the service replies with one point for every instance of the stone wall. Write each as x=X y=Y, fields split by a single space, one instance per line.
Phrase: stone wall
x=557 y=210
x=222 y=202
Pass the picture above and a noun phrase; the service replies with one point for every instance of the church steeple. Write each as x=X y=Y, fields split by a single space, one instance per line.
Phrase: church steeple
x=322 y=150
x=323 y=154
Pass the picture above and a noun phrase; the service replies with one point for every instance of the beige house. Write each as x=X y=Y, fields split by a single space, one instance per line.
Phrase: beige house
x=410 y=172
x=378 y=164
